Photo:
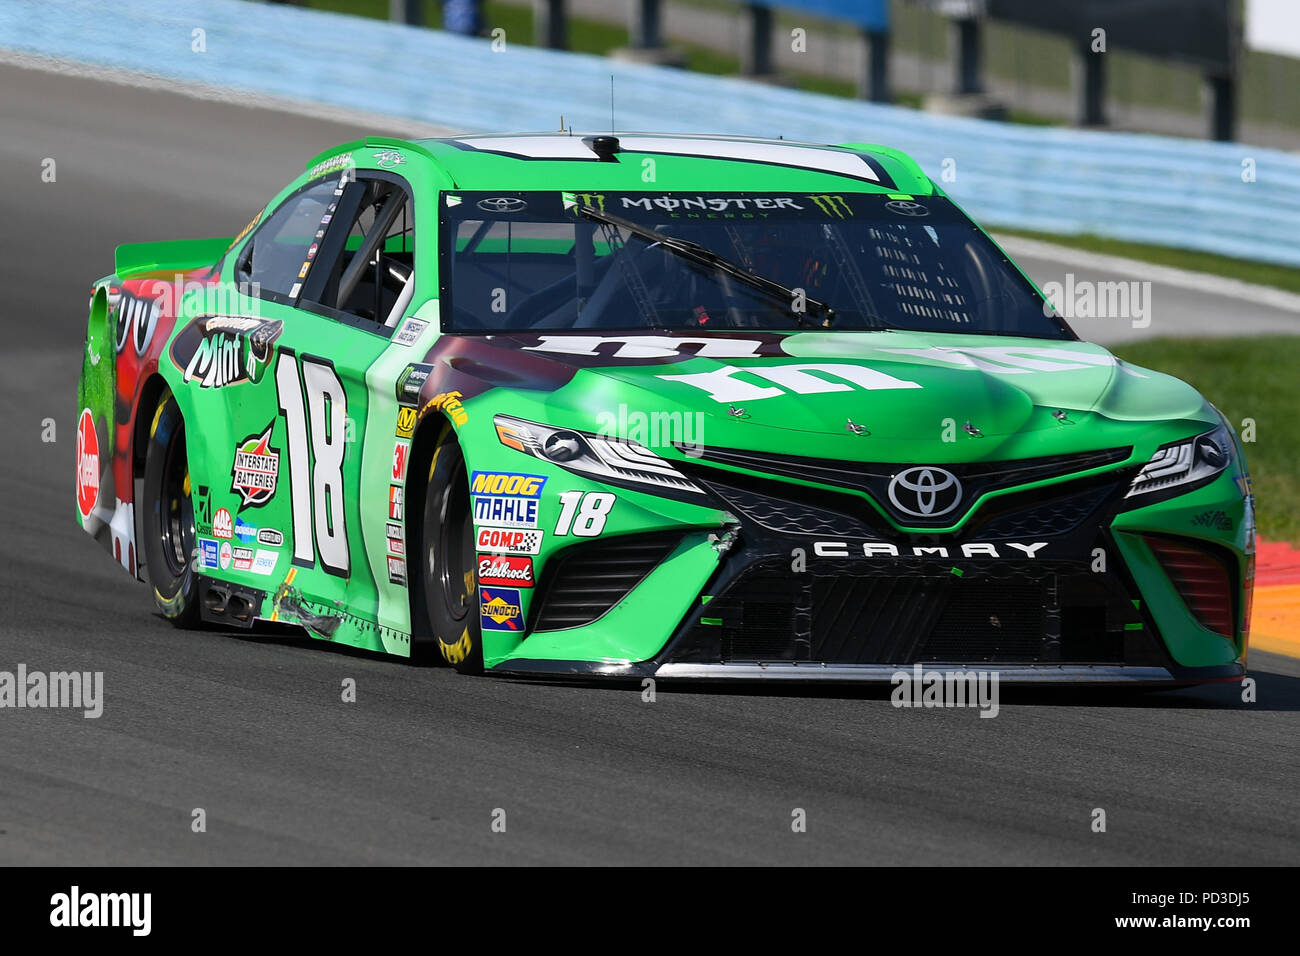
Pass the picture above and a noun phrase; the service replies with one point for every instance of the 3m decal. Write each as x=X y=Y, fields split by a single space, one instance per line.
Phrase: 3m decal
x=500 y=609
x=316 y=426
x=410 y=331
x=395 y=502
x=223 y=526
x=256 y=469
x=406 y=418
x=510 y=540
x=510 y=484
x=87 y=464
x=505 y=569
x=805 y=378
x=450 y=403
x=401 y=453
x=221 y=350
x=583 y=514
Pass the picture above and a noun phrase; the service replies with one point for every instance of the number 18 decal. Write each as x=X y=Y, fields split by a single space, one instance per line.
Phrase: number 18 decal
x=583 y=514
x=317 y=435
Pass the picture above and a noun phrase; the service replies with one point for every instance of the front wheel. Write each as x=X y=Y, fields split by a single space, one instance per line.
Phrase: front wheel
x=169 y=536
x=448 y=588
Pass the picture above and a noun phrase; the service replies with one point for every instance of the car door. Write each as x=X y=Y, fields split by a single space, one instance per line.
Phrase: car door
x=284 y=420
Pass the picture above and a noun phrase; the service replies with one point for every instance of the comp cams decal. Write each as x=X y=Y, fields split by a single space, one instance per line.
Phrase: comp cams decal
x=509 y=541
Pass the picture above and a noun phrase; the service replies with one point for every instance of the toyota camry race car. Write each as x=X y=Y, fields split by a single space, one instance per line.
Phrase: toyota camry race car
x=652 y=406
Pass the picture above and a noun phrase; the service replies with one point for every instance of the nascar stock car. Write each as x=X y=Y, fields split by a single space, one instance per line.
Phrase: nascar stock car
x=646 y=405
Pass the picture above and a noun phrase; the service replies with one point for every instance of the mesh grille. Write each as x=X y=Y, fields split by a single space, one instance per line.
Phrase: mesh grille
x=589 y=579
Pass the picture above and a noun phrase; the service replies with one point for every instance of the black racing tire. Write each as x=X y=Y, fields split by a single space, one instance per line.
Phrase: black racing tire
x=169 y=535
x=446 y=555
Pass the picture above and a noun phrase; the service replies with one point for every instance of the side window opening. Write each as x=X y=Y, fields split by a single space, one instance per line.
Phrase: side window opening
x=374 y=277
x=280 y=250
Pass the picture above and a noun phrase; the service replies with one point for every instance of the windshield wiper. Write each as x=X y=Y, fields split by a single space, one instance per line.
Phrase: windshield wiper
x=703 y=255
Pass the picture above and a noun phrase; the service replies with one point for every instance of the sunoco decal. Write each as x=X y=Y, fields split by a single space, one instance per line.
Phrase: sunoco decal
x=255 y=470
x=500 y=609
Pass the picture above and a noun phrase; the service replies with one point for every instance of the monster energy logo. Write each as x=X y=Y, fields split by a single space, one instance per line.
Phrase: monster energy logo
x=585 y=199
x=835 y=206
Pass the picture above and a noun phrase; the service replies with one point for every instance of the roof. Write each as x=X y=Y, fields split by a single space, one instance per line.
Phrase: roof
x=666 y=161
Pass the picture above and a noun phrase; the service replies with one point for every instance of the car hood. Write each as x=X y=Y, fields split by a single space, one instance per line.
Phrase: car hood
x=767 y=390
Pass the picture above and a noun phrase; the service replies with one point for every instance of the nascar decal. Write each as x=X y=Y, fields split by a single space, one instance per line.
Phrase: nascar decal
x=509 y=541
x=410 y=331
x=448 y=402
x=500 y=609
x=255 y=470
x=87 y=464
x=508 y=499
x=505 y=569
x=221 y=350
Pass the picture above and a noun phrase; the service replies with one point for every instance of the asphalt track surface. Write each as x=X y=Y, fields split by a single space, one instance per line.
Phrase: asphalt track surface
x=252 y=729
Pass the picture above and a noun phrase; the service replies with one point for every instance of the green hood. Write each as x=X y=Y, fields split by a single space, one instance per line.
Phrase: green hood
x=912 y=393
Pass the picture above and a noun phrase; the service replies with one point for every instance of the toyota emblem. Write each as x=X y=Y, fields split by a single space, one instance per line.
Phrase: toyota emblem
x=925 y=492
x=904 y=207
x=502 y=204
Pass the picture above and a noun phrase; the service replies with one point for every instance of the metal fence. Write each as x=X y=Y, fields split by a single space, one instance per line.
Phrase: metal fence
x=1217 y=197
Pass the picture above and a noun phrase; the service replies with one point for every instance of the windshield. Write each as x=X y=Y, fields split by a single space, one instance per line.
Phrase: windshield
x=516 y=261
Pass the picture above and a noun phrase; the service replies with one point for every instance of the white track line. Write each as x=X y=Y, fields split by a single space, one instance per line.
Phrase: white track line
x=1167 y=275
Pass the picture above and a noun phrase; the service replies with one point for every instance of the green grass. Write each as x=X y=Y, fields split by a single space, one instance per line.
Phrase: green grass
x=1261 y=273
x=1246 y=378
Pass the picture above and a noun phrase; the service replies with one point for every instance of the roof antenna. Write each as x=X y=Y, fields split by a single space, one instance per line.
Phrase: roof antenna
x=562 y=129
x=611 y=102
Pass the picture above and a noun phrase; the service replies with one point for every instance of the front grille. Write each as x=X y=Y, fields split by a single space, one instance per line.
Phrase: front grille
x=873 y=478
x=1059 y=515
x=588 y=579
x=776 y=506
x=844 y=612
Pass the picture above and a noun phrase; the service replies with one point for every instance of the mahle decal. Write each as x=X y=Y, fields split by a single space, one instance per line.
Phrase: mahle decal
x=220 y=350
x=256 y=469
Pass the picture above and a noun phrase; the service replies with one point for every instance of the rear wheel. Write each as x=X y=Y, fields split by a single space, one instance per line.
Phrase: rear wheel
x=448 y=588
x=169 y=536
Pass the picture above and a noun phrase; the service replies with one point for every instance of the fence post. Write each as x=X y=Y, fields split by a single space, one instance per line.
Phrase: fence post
x=758 y=60
x=1221 y=90
x=873 y=84
x=1090 y=81
x=406 y=11
x=550 y=24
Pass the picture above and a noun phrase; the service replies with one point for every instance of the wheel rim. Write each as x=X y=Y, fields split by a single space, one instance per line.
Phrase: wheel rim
x=451 y=553
x=177 y=524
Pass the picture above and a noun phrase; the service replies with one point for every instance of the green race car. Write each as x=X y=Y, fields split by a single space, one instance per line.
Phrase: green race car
x=652 y=405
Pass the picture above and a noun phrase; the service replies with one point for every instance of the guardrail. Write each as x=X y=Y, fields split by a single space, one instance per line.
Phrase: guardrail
x=1217 y=197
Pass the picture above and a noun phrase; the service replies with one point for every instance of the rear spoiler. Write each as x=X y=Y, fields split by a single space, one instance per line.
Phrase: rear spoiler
x=179 y=255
